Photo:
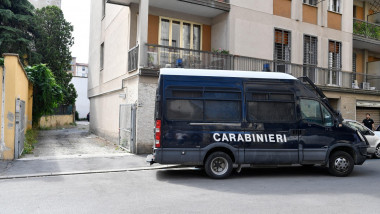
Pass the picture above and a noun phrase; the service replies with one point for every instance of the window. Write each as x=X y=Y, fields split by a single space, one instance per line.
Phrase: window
x=312 y=111
x=310 y=2
x=179 y=34
x=270 y=111
x=327 y=118
x=335 y=62
x=185 y=110
x=103 y=8
x=270 y=107
x=354 y=67
x=282 y=47
x=200 y=105
x=310 y=54
x=334 y=5
x=102 y=56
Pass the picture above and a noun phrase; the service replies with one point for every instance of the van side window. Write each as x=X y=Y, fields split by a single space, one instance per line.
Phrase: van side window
x=327 y=118
x=184 y=110
x=210 y=106
x=274 y=107
x=311 y=111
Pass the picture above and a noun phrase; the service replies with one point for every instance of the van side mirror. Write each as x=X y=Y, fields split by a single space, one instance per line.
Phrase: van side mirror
x=338 y=120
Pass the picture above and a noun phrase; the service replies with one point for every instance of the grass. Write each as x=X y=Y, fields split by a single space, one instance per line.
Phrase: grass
x=30 y=139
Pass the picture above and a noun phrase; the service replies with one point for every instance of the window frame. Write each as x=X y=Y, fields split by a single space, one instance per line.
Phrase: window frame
x=171 y=20
x=307 y=2
x=309 y=68
x=334 y=66
x=338 y=6
x=102 y=50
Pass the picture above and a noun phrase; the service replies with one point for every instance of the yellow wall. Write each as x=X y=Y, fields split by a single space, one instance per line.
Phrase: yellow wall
x=56 y=121
x=16 y=86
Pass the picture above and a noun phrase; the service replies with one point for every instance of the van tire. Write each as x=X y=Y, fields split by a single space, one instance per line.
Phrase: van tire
x=218 y=165
x=341 y=164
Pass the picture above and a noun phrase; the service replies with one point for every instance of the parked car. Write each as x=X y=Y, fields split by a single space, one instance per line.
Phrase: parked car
x=218 y=119
x=372 y=137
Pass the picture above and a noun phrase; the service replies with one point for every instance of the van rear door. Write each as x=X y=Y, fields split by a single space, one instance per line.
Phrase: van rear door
x=271 y=118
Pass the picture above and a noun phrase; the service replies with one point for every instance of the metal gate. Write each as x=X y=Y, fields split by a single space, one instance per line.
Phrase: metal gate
x=127 y=127
x=19 y=127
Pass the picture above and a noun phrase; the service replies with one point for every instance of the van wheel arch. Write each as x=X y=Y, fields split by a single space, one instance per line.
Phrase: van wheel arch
x=347 y=149
x=220 y=149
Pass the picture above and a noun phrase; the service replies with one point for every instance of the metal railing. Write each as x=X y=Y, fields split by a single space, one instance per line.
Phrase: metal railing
x=133 y=56
x=159 y=56
x=366 y=29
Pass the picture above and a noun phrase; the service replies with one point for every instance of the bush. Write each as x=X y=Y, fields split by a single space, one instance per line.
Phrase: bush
x=76 y=116
x=30 y=139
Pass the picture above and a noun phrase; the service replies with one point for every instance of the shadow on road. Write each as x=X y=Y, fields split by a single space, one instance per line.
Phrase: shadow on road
x=282 y=180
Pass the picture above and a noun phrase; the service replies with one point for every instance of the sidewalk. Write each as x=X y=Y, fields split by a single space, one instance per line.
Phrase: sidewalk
x=72 y=151
x=68 y=166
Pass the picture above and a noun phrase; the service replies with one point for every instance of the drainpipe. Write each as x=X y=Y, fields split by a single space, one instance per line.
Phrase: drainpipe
x=2 y=140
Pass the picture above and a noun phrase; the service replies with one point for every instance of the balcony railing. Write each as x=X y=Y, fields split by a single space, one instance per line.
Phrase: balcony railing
x=171 y=57
x=133 y=56
x=159 y=56
x=366 y=29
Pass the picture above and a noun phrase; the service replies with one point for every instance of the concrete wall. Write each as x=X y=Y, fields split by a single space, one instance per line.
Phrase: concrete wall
x=55 y=121
x=82 y=103
x=15 y=85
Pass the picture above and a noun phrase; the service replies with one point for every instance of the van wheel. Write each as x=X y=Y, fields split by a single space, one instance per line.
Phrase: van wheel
x=218 y=165
x=341 y=164
x=377 y=152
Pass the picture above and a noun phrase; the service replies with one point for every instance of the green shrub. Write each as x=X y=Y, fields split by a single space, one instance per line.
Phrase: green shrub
x=30 y=139
x=76 y=115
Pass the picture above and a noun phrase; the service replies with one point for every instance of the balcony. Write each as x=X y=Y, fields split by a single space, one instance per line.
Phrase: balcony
x=159 y=56
x=366 y=35
x=205 y=8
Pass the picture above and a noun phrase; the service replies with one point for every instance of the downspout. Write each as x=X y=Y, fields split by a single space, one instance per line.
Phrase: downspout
x=2 y=140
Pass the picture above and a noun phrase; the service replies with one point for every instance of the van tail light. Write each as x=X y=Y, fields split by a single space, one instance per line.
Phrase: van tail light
x=158 y=134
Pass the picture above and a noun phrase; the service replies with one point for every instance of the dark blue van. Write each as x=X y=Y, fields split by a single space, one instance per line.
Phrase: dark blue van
x=221 y=119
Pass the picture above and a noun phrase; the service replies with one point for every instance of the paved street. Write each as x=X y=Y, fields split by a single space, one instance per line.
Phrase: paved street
x=72 y=142
x=187 y=190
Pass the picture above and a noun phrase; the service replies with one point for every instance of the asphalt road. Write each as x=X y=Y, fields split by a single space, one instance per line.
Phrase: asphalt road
x=185 y=190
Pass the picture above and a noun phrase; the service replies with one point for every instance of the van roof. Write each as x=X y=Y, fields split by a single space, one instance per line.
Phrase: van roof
x=225 y=73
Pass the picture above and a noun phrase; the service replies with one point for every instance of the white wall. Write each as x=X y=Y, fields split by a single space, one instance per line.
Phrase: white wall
x=82 y=103
x=82 y=71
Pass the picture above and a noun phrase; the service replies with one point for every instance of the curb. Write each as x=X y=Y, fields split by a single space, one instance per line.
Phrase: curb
x=83 y=172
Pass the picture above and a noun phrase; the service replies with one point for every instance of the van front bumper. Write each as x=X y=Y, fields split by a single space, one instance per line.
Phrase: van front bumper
x=361 y=155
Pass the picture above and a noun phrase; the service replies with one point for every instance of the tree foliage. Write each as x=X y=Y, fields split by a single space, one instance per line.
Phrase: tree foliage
x=47 y=94
x=53 y=40
x=17 y=29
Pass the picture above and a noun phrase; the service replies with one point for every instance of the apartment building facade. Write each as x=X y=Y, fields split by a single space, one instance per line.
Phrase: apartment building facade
x=132 y=39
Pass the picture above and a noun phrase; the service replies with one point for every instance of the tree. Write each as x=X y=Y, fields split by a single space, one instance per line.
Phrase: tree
x=47 y=94
x=17 y=29
x=53 y=40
